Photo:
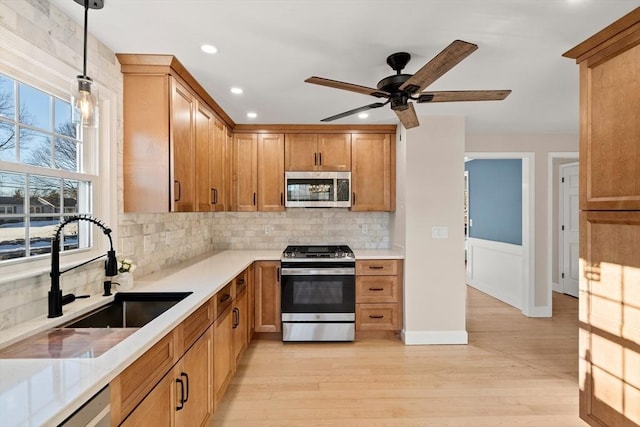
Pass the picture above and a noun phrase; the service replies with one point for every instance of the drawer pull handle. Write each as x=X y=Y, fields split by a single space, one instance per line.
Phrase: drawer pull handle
x=240 y=281
x=376 y=316
x=225 y=297
x=182 y=399
x=376 y=267
x=186 y=378
x=376 y=289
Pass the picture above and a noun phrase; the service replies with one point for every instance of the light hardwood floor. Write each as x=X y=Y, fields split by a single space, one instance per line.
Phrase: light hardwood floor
x=516 y=371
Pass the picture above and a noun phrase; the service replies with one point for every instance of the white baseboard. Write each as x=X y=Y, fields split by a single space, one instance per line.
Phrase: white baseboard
x=540 y=311
x=556 y=287
x=434 y=337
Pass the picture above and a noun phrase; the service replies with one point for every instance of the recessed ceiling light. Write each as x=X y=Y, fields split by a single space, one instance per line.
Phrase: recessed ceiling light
x=363 y=115
x=208 y=48
x=252 y=115
x=236 y=90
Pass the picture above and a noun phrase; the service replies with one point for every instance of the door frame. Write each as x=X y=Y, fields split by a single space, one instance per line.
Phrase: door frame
x=528 y=224
x=550 y=158
x=560 y=220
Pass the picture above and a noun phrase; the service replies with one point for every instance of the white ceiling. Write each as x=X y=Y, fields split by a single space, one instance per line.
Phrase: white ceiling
x=269 y=47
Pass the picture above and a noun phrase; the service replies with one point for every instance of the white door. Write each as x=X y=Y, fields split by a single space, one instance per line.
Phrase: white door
x=569 y=229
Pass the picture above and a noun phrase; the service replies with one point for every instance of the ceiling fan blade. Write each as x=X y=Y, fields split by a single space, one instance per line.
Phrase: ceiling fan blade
x=348 y=86
x=440 y=64
x=355 y=111
x=463 y=95
x=408 y=116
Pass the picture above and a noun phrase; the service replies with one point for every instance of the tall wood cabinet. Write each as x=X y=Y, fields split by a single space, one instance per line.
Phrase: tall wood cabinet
x=267 y=296
x=258 y=172
x=169 y=124
x=609 y=340
x=373 y=172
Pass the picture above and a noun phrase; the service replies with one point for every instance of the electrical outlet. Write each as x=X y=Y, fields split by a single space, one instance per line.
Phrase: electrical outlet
x=268 y=229
x=439 y=232
x=364 y=228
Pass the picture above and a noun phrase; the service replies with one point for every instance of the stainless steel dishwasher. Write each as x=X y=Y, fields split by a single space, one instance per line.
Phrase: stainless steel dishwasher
x=95 y=413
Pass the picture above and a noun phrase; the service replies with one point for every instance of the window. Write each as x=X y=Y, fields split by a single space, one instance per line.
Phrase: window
x=47 y=172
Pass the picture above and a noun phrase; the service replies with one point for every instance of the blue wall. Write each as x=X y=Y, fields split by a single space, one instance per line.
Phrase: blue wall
x=495 y=199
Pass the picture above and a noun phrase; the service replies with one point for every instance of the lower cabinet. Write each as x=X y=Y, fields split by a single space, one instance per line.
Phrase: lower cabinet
x=183 y=396
x=267 y=296
x=379 y=295
x=224 y=356
x=240 y=324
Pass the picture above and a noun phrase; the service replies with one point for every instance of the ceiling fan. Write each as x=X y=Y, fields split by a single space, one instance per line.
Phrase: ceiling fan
x=400 y=89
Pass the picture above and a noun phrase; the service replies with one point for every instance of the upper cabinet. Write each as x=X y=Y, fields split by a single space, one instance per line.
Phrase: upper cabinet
x=258 y=172
x=373 y=163
x=318 y=152
x=168 y=118
x=610 y=116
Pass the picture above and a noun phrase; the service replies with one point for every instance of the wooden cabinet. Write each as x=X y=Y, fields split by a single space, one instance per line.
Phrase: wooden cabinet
x=167 y=119
x=609 y=292
x=373 y=172
x=317 y=152
x=240 y=324
x=223 y=357
x=258 y=172
x=154 y=389
x=267 y=296
x=378 y=295
x=211 y=161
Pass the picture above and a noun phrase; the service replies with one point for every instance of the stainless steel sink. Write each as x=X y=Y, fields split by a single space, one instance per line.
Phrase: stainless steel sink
x=129 y=310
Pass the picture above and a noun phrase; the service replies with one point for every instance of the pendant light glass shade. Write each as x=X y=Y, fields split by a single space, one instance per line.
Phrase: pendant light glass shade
x=84 y=102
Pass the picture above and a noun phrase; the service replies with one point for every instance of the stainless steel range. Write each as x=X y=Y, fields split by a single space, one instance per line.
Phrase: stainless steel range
x=318 y=299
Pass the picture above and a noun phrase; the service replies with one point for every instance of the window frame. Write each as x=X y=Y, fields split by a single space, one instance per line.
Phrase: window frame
x=30 y=65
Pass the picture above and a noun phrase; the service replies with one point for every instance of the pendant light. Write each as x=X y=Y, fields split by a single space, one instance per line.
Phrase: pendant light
x=84 y=97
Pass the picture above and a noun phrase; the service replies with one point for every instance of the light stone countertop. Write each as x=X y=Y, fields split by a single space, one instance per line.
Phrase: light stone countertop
x=35 y=392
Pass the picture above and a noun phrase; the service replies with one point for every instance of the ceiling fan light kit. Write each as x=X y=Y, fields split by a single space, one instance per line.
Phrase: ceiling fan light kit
x=400 y=89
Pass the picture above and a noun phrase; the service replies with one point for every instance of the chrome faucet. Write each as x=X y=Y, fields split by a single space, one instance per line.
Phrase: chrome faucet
x=110 y=265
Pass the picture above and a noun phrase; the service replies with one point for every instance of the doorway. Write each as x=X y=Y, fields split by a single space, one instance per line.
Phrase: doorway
x=568 y=250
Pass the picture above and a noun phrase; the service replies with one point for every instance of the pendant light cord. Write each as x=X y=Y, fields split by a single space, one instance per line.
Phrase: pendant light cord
x=86 y=20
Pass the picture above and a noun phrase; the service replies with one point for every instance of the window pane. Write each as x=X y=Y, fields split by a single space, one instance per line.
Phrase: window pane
x=70 y=196
x=7 y=97
x=66 y=154
x=70 y=236
x=62 y=116
x=7 y=142
x=44 y=194
x=41 y=231
x=35 y=148
x=12 y=230
x=35 y=107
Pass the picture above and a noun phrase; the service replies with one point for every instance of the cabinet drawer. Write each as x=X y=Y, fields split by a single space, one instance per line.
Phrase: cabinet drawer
x=223 y=299
x=380 y=267
x=377 y=317
x=195 y=325
x=134 y=383
x=376 y=289
x=241 y=282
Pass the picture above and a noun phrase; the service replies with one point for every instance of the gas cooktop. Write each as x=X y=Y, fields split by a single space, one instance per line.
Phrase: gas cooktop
x=334 y=252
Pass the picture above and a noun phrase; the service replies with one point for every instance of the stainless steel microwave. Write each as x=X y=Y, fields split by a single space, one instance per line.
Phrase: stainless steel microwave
x=318 y=189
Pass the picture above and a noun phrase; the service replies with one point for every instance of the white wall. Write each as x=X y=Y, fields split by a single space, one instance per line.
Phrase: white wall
x=430 y=167
x=541 y=145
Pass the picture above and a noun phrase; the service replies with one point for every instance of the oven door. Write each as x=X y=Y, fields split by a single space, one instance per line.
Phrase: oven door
x=319 y=293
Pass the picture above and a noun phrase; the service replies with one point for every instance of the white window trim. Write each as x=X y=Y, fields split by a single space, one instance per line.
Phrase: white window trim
x=28 y=63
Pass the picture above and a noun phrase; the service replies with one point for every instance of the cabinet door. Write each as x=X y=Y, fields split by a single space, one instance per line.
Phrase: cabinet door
x=223 y=356
x=196 y=375
x=219 y=167
x=158 y=407
x=610 y=131
x=334 y=152
x=300 y=152
x=373 y=172
x=204 y=149
x=270 y=172
x=182 y=147
x=609 y=365
x=267 y=294
x=245 y=166
x=240 y=325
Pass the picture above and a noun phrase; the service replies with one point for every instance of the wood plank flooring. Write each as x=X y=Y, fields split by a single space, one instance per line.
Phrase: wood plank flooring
x=516 y=371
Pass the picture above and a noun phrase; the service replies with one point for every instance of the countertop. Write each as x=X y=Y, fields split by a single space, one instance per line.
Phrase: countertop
x=35 y=392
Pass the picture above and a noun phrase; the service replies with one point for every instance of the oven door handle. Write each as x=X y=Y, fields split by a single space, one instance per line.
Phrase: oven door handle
x=318 y=271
